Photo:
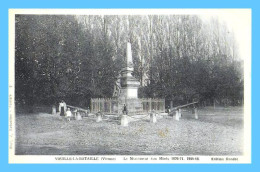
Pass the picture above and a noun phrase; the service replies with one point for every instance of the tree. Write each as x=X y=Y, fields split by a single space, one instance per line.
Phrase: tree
x=177 y=57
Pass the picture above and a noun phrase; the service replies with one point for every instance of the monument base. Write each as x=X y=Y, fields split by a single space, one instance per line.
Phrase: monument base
x=134 y=105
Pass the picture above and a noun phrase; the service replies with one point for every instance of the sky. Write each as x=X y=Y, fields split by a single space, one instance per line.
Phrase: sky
x=238 y=21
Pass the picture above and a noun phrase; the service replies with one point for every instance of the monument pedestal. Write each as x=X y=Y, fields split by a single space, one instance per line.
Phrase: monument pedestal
x=134 y=106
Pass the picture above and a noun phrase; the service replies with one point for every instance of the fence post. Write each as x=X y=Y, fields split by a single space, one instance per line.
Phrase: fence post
x=153 y=117
x=91 y=104
x=177 y=115
x=97 y=103
x=78 y=116
x=124 y=120
x=150 y=104
x=94 y=105
x=180 y=113
x=99 y=117
x=54 y=110
x=158 y=105
x=196 y=113
x=143 y=105
x=164 y=105
x=110 y=105
x=103 y=106
x=117 y=106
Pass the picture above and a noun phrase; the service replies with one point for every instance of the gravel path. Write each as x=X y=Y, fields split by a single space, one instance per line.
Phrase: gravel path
x=216 y=132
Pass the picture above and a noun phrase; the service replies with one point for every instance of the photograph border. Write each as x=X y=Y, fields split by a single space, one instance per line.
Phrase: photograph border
x=245 y=158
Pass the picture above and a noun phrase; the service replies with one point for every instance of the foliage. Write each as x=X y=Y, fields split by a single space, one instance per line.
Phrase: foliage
x=177 y=57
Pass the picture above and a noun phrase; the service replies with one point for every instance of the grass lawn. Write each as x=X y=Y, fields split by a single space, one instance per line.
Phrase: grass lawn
x=217 y=132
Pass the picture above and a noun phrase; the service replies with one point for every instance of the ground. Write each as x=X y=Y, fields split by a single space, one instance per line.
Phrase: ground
x=218 y=131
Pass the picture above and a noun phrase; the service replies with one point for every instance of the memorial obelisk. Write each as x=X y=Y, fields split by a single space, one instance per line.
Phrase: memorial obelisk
x=129 y=85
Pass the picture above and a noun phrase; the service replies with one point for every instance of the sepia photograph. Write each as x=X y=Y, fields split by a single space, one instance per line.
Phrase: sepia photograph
x=122 y=86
